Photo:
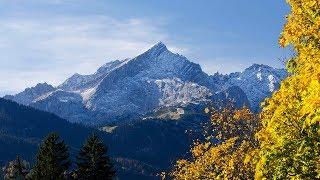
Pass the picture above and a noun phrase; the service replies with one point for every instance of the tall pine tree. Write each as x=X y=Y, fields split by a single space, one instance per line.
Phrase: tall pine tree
x=52 y=159
x=93 y=162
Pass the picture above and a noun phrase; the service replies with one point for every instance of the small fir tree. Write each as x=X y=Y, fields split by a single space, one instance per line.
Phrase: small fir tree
x=52 y=159
x=93 y=161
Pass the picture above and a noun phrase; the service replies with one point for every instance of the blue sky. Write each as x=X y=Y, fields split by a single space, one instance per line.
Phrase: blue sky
x=49 y=40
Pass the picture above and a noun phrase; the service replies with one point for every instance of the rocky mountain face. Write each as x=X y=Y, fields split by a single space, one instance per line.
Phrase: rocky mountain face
x=30 y=95
x=154 y=80
x=257 y=81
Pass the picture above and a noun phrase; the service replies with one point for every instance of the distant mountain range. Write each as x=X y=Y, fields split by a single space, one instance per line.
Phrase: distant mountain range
x=154 y=80
x=149 y=109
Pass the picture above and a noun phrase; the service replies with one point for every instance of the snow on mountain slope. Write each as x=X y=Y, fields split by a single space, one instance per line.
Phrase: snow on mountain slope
x=82 y=83
x=133 y=87
x=257 y=81
x=31 y=94
x=178 y=93
x=127 y=88
x=65 y=104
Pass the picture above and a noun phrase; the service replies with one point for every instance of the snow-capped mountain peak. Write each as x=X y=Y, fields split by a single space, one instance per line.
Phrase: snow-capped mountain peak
x=157 y=78
x=158 y=48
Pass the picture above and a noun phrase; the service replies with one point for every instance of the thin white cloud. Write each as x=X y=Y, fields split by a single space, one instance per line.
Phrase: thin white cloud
x=36 y=50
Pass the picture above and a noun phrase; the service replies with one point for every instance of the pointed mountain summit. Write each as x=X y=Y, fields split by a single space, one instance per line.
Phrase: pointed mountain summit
x=134 y=88
x=130 y=88
x=157 y=49
x=155 y=79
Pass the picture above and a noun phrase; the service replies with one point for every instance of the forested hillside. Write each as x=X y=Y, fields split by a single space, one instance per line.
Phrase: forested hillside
x=23 y=128
x=140 y=149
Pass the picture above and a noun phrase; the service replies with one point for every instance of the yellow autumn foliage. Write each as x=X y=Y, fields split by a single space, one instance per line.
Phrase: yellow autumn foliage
x=290 y=137
x=232 y=157
x=288 y=145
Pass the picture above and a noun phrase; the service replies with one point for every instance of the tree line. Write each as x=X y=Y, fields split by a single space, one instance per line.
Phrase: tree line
x=53 y=162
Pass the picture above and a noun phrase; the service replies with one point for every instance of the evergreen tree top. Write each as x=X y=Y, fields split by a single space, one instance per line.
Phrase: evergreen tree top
x=93 y=161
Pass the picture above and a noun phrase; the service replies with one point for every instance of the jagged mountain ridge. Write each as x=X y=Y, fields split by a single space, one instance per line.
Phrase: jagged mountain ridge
x=31 y=94
x=80 y=83
x=257 y=81
x=133 y=87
